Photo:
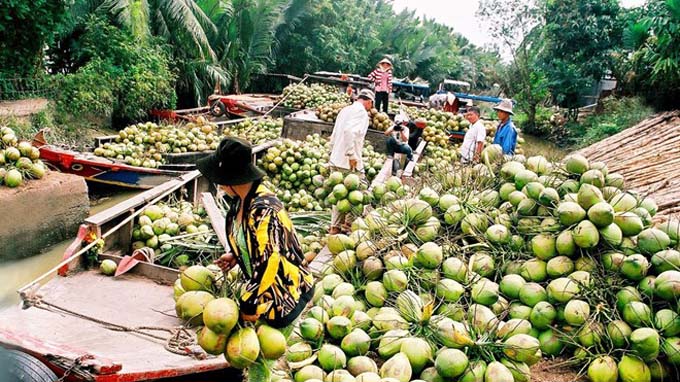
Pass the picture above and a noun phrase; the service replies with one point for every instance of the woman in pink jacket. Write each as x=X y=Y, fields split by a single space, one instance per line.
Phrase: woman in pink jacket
x=382 y=77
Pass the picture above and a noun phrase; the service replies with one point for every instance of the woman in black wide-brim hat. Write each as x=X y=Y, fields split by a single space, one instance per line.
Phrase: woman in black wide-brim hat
x=262 y=240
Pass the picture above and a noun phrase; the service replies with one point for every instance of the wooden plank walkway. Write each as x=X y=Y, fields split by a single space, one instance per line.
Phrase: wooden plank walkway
x=648 y=156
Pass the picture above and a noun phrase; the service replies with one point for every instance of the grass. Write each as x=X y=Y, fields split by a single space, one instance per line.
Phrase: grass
x=618 y=114
x=64 y=129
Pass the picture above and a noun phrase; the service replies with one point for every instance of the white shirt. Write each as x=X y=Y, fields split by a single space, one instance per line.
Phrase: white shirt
x=476 y=133
x=347 y=140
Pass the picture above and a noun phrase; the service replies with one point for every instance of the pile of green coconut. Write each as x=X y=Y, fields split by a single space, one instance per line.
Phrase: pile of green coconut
x=486 y=271
x=478 y=273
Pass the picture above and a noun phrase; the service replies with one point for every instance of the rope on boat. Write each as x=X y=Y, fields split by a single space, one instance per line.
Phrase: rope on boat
x=180 y=341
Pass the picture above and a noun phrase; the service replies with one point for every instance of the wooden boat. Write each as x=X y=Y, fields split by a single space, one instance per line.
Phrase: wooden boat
x=101 y=170
x=83 y=326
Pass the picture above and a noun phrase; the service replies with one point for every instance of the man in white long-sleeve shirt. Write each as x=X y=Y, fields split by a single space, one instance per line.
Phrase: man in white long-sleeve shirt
x=347 y=142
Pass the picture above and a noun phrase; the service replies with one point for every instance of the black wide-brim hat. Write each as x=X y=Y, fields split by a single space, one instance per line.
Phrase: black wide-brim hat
x=231 y=163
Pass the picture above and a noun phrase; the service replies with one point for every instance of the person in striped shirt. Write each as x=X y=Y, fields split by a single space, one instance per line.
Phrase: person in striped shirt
x=382 y=78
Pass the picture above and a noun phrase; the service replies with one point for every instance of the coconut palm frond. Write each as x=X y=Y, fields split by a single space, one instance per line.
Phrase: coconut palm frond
x=635 y=35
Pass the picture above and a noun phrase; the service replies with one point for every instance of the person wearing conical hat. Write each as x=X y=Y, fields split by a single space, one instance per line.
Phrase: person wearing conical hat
x=382 y=78
x=506 y=133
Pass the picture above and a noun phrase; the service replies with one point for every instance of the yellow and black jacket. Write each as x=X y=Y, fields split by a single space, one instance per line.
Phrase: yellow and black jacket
x=278 y=282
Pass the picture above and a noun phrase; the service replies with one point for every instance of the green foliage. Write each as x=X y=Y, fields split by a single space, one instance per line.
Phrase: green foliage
x=653 y=68
x=617 y=115
x=124 y=78
x=580 y=36
x=517 y=24
x=25 y=29
x=330 y=38
x=88 y=91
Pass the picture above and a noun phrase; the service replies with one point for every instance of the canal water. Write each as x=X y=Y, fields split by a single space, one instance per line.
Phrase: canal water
x=17 y=273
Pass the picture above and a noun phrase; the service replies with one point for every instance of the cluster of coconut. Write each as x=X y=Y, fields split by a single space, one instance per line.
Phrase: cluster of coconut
x=144 y=144
x=159 y=224
x=19 y=160
x=329 y=113
x=256 y=131
x=301 y=96
x=217 y=318
x=296 y=171
x=378 y=120
x=491 y=268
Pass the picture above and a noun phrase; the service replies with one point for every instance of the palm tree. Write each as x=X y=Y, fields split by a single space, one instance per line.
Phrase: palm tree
x=246 y=34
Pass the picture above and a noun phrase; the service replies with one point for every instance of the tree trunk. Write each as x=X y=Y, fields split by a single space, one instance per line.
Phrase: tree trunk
x=531 y=117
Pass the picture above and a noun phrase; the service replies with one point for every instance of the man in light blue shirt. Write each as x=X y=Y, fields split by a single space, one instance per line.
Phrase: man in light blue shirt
x=506 y=133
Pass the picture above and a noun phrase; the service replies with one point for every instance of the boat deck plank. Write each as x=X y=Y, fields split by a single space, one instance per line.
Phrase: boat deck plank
x=127 y=300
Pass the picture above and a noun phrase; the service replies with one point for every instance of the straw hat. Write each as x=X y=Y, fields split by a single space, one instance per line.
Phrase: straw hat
x=385 y=61
x=505 y=105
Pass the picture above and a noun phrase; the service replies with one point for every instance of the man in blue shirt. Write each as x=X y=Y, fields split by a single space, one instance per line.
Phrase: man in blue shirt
x=506 y=133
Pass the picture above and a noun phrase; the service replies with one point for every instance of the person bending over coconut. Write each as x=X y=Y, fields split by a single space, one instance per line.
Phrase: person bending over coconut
x=262 y=241
x=506 y=133
x=347 y=143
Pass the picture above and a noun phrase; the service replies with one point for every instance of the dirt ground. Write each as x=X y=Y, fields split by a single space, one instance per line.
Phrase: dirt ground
x=553 y=371
x=22 y=108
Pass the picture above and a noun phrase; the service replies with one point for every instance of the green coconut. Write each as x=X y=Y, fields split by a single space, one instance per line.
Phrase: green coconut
x=626 y=295
x=603 y=369
x=455 y=269
x=594 y=177
x=243 y=348
x=360 y=365
x=667 y=285
x=570 y=213
x=652 y=240
x=550 y=342
x=671 y=347
x=614 y=180
x=418 y=351
x=542 y=315
x=450 y=363
x=586 y=235
x=576 y=312
x=449 y=290
x=309 y=373
x=510 y=285
x=339 y=326
x=532 y=293
x=637 y=314
x=564 y=243
x=357 y=342
x=645 y=342
x=484 y=292
x=601 y=214
x=562 y=289
x=635 y=267
x=672 y=228
x=623 y=202
x=549 y=197
x=534 y=270
x=589 y=195
x=524 y=177
x=633 y=369
x=666 y=260
x=612 y=235
x=543 y=246
x=331 y=357
x=619 y=332
x=576 y=164
x=559 y=266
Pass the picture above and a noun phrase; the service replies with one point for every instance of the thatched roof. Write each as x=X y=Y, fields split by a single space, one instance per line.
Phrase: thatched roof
x=648 y=156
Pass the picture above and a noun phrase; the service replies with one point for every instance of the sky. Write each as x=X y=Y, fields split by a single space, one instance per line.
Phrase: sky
x=461 y=15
